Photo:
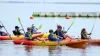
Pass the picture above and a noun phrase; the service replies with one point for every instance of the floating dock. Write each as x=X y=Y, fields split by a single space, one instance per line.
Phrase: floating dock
x=64 y=14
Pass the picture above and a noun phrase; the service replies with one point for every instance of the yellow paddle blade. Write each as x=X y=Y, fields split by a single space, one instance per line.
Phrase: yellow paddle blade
x=40 y=26
x=19 y=19
x=21 y=43
x=72 y=22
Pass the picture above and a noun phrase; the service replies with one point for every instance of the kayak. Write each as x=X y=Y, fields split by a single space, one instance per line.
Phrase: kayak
x=93 y=41
x=67 y=42
x=19 y=37
x=77 y=43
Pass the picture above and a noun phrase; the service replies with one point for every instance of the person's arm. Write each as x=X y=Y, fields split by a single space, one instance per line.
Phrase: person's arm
x=26 y=36
x=83 y=35
x=36 y=29
x=21 y=29
x=55 y=32
x=14 y=32
x=89 y=33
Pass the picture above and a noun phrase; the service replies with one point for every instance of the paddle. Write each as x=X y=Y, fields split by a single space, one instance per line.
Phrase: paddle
x=22 y=28
x=5 y=29
x=40 y=26
x=92 y=28
x=70 y=25
x=21 y=24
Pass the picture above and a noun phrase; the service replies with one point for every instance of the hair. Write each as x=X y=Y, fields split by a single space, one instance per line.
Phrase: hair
x=83 y=29
x=59 y=27
x=50 y=30
x=29 y=28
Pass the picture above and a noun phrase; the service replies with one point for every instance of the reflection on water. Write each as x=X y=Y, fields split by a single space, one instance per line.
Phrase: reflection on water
x=7 y=48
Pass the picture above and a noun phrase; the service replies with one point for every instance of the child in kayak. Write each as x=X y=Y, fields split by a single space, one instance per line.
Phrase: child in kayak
x=17 y=31
x=1 y=32
x=34 y=30
x=60 y=33
x=84 y=34
x=28 y=35
x=51 y=37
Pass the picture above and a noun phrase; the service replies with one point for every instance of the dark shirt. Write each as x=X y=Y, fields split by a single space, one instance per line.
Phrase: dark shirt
x=3 y=34
x=83 y=35
x=16 y=32
x=59 y=33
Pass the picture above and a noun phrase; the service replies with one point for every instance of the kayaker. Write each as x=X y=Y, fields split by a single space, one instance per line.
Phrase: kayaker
x=28 y=35
x=51 y=36
x=1 y=32
x=17 y=31
x=84 y=34
x=61 y=34
x=34 y=30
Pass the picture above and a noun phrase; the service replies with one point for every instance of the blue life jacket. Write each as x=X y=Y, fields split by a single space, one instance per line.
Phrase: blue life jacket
x=28 y=35
x=51 y=37
x=33 y=30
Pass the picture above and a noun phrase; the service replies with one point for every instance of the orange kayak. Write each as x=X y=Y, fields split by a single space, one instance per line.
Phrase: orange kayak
x=19 y=37
x=67 y=42
x=76 y=43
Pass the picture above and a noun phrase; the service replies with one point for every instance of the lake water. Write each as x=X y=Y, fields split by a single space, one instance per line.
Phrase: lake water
x=9 y=12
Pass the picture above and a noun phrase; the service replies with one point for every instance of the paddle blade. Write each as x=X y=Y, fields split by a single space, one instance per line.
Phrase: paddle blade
x=72 y=22
x=19 y=19
x=40 y=26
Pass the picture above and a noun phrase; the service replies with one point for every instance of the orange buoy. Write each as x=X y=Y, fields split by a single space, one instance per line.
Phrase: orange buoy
x=31 y=17
x=67 y=17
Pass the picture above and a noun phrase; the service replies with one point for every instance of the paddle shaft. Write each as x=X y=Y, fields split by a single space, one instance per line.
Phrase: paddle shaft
x=68 y=28
x=5 y=29
x=93 y=27
x=22 y=27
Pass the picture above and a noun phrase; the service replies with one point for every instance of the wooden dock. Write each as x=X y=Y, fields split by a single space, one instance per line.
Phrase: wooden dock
x=64 y=14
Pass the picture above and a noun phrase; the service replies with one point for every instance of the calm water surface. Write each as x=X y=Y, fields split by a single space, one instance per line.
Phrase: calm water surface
x=10 y=12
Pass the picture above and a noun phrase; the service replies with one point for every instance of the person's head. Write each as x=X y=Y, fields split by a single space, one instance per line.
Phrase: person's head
x=50 y=31
x=1 y=26
x=16 y=27
x=59 y=27
x=83 y=30
x=33 y=26
x=29 y=29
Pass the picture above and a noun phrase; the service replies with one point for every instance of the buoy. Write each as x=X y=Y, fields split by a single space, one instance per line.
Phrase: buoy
x=67 y=17
x=31 y=17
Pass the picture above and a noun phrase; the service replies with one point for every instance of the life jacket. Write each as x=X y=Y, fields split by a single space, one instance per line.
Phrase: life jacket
x=29 y=35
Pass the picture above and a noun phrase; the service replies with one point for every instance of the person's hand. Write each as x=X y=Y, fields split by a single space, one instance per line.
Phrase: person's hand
x=36 y=28
x=5 y=33
x=61 y=38
x=65 y=31
x=90 y=33
x=22 y=29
